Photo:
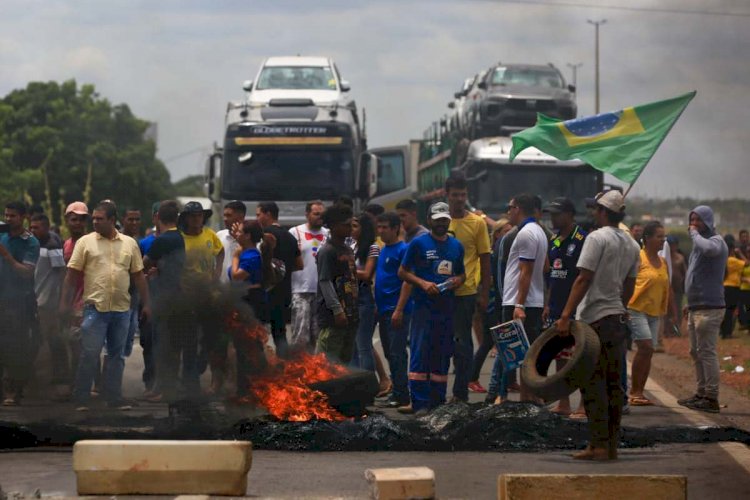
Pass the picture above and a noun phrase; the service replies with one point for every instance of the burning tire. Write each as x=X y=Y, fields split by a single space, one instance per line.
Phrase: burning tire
x=350 y=394
x=578 y=369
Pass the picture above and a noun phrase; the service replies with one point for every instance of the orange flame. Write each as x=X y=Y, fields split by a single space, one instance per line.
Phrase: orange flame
x=284 y=387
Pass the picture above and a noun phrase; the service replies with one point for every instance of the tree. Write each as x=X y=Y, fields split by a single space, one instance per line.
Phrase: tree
x=61 y=143
x=191 y=185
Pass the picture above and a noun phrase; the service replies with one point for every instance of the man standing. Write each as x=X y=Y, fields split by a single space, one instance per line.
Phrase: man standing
x=563 y=254
x=19 y=252
x=337 y=306
x=204 y=257
x=310 y=237
x=48 y=278
x=394 y=312
x=166 y=256
x=471 y=231
x=434 y=266
x=607 y=270
x=286 y=250
x=523 y=290
x=704 y=287
x=234 y=213
x=107 y=261
x=407 y=212
x=146 y=328
x=131 y=226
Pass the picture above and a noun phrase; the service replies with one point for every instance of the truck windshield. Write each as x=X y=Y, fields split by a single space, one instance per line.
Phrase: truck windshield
x=296 y=77
x=493 y=193
x=280 y=175
x=527 y=77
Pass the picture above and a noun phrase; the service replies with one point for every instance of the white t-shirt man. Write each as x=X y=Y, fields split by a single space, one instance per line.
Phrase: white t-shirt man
x=613 y=256
x=530 y=245
x=309 y=242
x=230 y=245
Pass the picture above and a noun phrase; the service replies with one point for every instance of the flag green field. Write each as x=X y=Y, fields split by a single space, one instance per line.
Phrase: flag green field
x=619 y=143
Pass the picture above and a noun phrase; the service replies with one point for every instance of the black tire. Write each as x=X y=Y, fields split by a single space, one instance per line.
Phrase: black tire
x=578 y=369
x=350 y=394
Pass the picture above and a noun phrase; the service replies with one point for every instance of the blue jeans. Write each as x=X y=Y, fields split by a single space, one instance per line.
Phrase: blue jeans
x=394 y=342
x=463 y=357
x=98 y=327
x=363 y=353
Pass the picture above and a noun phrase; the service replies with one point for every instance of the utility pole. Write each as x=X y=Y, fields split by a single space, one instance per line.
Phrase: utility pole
x=596 y=61
x=575 y=67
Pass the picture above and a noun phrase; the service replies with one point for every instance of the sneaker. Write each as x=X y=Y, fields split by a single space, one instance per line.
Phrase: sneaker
x=691 y=399
x=83 y=408
x=626 y=409
x=704 y=404
x=119 y=405
x=11 y=401
x=477 y=387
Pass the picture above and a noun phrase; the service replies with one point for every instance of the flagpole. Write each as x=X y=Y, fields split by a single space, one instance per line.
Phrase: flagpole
x=627 y=191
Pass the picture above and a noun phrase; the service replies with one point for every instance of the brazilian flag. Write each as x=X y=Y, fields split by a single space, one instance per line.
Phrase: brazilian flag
x=619 y=143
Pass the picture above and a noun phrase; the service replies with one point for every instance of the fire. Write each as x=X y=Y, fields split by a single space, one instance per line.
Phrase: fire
x=282 y=386
x=287 y=395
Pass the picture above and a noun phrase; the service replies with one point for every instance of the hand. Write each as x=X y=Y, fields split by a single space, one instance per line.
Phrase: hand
x=562 y=326
x=545 y=315
x=64 y=310
x=146 y=313
x=482 y=302
x=691 y=228
x=519 y=313
x=4 y=251
x=429 y=288
x=152 y=272
x=397 y=319
x=236 y=230
x=340 y=320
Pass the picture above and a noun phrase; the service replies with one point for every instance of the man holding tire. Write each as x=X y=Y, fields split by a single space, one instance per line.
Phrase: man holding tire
x=607 y=269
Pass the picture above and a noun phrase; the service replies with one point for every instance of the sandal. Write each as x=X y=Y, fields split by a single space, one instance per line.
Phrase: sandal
x=558 y=411
x=578 y=416
x=640 y=401
x=385 y=390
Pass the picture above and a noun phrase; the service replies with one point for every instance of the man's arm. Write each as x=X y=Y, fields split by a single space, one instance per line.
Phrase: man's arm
x=406 y=275
x=219 y=263
x=139 y=279
x=577 y=293
x=526 y=268
x=710 y=247
x=397 y=318
x=485 y=267
x=628 y=287
x=72 y=276
x=22 y=268
x=299 y=264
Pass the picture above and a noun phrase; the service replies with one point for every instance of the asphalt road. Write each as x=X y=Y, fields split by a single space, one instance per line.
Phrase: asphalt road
x=713 y=470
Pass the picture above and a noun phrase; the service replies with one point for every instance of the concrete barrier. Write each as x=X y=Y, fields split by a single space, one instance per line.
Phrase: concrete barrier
x=401 y=483
x=111 y=467
x=590 y=486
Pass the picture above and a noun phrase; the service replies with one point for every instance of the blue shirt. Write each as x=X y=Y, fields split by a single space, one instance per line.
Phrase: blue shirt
x=435 y=261
x=387 y=282
x=252 y=264
x=24 y=249
x=563 y=261
x=145 y=243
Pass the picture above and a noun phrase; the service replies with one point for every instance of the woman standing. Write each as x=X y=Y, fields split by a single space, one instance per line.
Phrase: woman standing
x=732 y=283
x=248 y=265
x=649 y=302
x=366 y=254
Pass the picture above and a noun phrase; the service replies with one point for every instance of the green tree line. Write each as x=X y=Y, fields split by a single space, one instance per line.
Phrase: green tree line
x=61 y=142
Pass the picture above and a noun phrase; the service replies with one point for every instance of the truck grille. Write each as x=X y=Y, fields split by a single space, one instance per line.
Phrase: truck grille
x=531 y=104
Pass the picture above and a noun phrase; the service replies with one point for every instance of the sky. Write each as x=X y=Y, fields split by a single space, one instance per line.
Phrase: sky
x=178 y=63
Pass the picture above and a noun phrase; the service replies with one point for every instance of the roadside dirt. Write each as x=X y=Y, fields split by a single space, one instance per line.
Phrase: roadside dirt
x=674 y=371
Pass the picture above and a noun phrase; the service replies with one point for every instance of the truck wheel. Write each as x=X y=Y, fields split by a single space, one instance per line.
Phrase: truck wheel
x=578 y=369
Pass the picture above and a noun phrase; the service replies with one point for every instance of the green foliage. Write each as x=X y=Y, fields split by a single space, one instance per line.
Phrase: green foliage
x=191 y=185
x=61 y=143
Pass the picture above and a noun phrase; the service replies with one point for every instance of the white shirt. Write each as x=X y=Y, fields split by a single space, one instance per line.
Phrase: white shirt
x=230 y=245
x=309 y=242
x=530 y=245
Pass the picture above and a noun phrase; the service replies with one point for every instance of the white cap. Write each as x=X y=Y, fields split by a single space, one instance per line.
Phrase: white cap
x=440 y=210
x=612 y=200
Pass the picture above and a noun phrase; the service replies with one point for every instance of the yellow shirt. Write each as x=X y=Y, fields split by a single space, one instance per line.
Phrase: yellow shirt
x=106 y=266
x=745 y=279
x=471 y=231
x=734 y=272
x=651 y=293
x=200 y=257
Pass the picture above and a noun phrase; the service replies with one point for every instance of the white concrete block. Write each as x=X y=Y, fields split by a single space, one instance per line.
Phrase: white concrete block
x=113 y=467
x=401 y=483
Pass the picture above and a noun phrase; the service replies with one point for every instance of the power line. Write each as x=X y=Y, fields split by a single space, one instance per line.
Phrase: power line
x=659 y=10
x=186 y=153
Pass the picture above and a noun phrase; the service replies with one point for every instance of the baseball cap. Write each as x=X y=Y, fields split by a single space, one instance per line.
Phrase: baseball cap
x=612 y=200
x=560 y=205
x=77 y=207
x=500 y=224
x=440 y=210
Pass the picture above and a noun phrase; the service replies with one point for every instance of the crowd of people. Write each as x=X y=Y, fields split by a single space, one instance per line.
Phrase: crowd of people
x=429 y=290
